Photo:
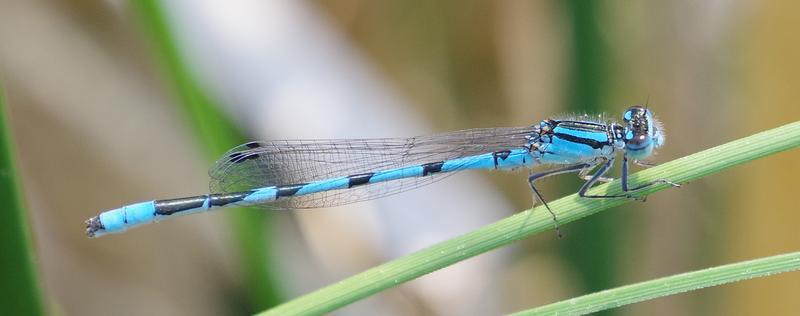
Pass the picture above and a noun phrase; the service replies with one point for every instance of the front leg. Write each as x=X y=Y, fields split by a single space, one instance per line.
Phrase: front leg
x=627 y=191
x=598 y=175
x=643 y=186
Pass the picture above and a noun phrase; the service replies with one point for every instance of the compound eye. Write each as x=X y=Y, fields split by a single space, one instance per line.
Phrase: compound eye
x=633 y=112
x=636 y=141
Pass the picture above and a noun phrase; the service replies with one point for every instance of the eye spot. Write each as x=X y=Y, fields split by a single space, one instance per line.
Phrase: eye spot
x=638 y=141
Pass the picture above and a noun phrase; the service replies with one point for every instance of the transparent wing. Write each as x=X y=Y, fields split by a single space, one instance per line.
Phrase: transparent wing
x=285 y=162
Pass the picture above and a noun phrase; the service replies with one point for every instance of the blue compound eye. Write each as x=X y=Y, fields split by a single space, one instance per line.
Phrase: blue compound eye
x=637 y=141
x=637 y=122
x=641 y=135
x=627 y=116
x=633 y=112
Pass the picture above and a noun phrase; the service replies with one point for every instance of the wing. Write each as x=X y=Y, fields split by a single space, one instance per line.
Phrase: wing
x=285 y=162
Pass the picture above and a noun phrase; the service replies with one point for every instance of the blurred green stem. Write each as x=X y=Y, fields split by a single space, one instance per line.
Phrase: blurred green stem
x=589 y=80
x=523 y=224
x=675 y=284
x=217 y=133
x=19 y=287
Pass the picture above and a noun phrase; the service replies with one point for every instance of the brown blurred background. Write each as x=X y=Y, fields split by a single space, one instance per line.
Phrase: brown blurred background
x=94 y=116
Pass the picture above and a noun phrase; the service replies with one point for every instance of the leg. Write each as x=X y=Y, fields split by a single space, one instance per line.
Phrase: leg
x=643 y=163
x=536 y=176
x=598 y=175
x=643 y=186
x=584 y=174
x=625 y=189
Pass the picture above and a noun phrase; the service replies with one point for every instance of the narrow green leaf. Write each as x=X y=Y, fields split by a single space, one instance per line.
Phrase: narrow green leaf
x=217 y=134
x=675 y=284
x=19 y=286
x=589 y=82
x=523 y=224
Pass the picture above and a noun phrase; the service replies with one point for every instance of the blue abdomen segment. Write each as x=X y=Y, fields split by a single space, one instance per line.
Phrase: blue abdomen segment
x=119 y=220
x=260 y=196
x=402 y=173
x=324 y=185
x=495 y=160
x=509 y=159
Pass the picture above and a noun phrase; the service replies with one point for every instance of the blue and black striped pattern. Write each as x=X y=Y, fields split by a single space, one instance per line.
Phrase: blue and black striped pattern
x=318 y=173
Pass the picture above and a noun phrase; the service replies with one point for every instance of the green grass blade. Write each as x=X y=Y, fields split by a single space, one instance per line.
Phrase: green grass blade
x=590 y=81
x=19 y=286
x=515 y=227
x=217 y=134
x=670 y=285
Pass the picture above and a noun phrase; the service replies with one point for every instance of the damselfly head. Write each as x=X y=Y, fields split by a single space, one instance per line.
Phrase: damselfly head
x=643 y=132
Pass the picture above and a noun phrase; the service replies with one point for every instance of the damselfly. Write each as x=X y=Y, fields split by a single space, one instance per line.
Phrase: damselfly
x=296 y=174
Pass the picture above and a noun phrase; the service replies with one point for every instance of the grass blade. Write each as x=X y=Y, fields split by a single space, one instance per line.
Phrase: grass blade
x=518 y=226
x=675 y=284
x=217 y=134
x=19 y=286
x=591 y=78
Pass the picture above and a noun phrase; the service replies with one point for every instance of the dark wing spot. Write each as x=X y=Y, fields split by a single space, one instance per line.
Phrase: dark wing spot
x=242 y=157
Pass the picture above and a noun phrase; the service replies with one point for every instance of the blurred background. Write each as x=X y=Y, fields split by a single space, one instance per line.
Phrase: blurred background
x=114 y=102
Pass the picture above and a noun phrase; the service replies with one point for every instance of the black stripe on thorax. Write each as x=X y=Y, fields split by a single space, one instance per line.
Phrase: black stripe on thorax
x=580 y=140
